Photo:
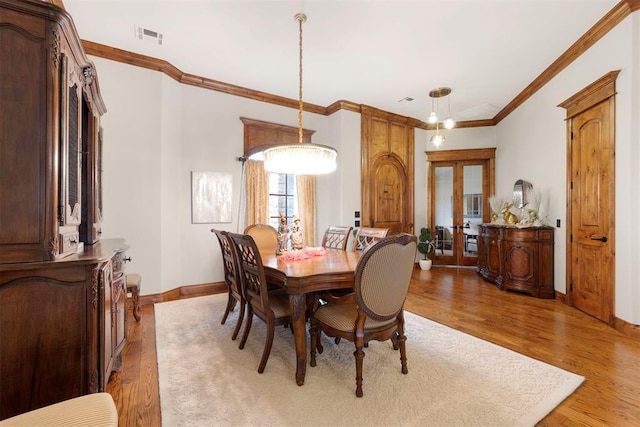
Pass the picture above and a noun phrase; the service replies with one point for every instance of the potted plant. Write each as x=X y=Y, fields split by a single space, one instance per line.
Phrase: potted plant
x=425 y=247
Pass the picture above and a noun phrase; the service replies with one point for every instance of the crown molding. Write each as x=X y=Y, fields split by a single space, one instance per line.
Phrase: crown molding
x=616 y=15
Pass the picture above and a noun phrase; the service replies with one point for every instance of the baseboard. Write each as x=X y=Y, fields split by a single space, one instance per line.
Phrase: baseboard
x=622 y=326
x=182 y=292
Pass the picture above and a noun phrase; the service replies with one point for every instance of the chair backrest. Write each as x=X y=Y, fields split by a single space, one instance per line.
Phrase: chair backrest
x=366 y=236
x=231 y=276
x=336 y=237
x=265 y=237
x=383 y=275
x=253 y=281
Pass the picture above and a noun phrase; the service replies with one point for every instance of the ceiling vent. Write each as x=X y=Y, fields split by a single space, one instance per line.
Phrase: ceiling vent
x=148 y=35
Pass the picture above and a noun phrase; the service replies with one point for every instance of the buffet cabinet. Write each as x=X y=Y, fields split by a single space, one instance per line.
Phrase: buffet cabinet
x=517 y=258
x=62 y=287
x=62 y=326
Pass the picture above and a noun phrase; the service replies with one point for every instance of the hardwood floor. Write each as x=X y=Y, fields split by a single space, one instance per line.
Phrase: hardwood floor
x=547 y=330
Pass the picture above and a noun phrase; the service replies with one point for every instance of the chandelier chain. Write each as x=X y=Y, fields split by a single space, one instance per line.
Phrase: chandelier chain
x=301 y=18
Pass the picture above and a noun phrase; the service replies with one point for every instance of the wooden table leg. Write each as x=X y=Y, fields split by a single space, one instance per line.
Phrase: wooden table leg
x=298 y=309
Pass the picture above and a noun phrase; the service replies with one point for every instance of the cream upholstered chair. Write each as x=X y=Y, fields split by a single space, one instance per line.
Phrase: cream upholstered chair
x=374 y=311
x=96 y=409
x=366 y=236
x=336 y=237
x=231 y=278
x=265 y=236
x=271 y=306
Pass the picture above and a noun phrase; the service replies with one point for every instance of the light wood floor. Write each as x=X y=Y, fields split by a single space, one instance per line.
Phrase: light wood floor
x=547 y=330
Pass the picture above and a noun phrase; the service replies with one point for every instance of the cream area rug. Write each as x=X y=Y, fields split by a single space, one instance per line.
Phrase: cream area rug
x=454 y=379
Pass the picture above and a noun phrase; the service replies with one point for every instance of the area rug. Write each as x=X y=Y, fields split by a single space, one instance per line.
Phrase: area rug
x=454 y=379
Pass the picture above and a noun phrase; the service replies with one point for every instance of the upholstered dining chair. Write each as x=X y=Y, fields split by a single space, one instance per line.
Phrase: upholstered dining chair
x=366 y=236
x=374 y=311
x=231 y=278
x=265 y=236
x=270 y=306
x=336 y=237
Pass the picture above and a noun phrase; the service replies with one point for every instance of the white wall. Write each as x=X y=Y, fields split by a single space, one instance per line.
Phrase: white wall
x=532 y=146
x=157 y=132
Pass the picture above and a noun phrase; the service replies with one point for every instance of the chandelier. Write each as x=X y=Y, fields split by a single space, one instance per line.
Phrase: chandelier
x=438 y=139
x=301 y=158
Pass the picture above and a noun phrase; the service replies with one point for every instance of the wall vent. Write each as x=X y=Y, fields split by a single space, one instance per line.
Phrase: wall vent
x=148 y=35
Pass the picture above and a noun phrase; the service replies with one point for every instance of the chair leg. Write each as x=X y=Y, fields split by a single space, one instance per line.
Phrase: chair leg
x=230 y=303
x=239 y=323
x=267 y=346
x=402 y=339
x=313 y=340
x=135 y=296
x=359 y=354
x=247 y=328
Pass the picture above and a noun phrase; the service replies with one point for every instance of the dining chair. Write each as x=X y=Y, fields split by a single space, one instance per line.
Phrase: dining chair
x=270 y=306
x=366 y=236
x=265 y=236
x=336 y=237
x=374 y=311
x=231 y=278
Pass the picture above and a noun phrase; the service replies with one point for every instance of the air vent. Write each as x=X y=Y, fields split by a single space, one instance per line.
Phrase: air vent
x=405 y=99
x=148 y=35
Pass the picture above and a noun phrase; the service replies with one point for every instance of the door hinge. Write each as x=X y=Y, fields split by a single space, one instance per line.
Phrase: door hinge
x=571 y=238
x=570 y=287
x=572 y=135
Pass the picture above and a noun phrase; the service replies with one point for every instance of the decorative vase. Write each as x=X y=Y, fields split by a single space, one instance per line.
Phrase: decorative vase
x=425 y=264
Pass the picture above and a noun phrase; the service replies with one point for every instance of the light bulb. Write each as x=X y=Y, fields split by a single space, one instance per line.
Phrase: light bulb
x=433 y=118
x=437 y=139
x=449 y=123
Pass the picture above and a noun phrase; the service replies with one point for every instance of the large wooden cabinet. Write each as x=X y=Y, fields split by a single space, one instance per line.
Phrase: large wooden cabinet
x=517 y=258
x=62 y=291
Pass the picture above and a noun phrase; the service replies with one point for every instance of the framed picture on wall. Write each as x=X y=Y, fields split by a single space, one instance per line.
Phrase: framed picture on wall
x=211 y=197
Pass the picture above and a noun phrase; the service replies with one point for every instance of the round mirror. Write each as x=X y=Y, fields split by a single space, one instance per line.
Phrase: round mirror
x=521 y=190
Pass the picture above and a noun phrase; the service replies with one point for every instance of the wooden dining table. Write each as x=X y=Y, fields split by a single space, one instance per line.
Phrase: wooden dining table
x=301 y=278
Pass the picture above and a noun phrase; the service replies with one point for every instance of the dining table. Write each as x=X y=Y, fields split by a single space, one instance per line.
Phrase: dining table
x=301 y=278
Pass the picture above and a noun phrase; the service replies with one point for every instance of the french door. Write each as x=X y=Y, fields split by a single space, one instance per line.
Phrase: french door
x=460 y=183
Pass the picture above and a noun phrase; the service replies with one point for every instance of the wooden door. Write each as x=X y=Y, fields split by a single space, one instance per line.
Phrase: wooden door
x=387 y=182
x=387 y=172
x=590 y=275
x=460 y=183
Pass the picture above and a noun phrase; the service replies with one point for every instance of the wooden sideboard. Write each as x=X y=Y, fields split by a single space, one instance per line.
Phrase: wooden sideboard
x=62 y=326
x=517 y=258
x=62 y=288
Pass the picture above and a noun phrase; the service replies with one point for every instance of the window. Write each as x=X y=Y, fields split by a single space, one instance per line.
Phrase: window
x=472 y=206
x=282 y=198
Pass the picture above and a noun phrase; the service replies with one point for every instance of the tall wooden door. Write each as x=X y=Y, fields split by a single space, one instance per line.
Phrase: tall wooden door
x=591 y=253
x=387 y=171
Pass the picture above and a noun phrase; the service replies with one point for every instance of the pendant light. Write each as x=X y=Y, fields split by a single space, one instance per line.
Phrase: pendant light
x=438 y=139
x=301 y=158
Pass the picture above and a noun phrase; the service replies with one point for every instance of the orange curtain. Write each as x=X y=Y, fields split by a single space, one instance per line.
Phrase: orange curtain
x=257 y=193
x=306 y=192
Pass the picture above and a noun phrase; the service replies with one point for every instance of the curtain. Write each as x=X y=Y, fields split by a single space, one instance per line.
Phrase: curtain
x=257 y=193
x=306 y=192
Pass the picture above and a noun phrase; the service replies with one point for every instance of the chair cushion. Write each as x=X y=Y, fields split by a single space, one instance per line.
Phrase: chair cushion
x=343 y=317
x=133 y=279
x=95 y=409
x=279 y=302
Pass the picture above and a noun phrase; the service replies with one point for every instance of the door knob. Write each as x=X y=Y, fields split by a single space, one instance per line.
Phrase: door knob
x=603 y=239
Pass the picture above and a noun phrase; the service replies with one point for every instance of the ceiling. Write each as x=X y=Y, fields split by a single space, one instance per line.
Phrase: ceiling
x=364 y=51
